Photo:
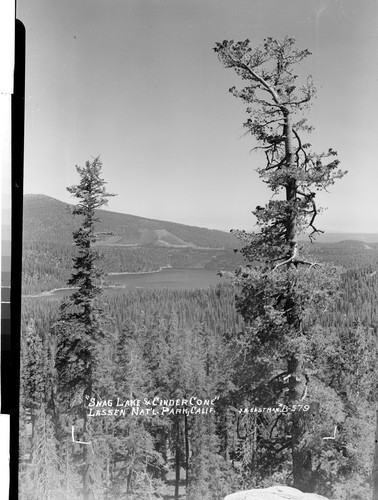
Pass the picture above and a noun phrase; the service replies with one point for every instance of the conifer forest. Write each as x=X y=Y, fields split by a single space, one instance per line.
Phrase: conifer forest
x=268 y=377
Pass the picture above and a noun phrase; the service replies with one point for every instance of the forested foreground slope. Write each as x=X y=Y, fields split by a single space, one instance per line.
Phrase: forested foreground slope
x=173 y=345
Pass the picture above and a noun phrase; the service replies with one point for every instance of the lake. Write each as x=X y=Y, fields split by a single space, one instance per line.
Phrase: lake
x=174 y=279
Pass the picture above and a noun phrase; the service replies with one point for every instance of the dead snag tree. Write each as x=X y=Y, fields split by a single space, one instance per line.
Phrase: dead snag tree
x=81 y=329
x=282 y=287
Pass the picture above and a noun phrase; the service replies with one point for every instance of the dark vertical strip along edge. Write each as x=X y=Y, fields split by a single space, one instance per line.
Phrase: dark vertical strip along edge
x=11 y=360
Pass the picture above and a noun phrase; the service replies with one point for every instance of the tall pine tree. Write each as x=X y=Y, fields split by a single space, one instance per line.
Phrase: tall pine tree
x=282 y=287
x=82 y=328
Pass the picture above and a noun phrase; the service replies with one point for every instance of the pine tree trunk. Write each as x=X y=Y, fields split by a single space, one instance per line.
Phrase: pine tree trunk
x=87 y=490
x=187 y=451
x=301 y=458
x=87 y=453
x=32 y=421
x=128 y=484
x=291 y=190
x=108 y=482
x=177 y=460
x=66 y=475
x=254 y=443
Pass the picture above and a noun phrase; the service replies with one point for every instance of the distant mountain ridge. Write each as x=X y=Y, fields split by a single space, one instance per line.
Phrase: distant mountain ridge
x=48 y=219
x=340 y=237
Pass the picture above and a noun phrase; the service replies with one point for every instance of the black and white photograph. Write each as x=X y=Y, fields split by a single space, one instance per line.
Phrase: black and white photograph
x=200 y=250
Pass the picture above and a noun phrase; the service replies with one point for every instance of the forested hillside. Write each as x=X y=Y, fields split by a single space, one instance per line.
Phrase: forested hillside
x=49 y=220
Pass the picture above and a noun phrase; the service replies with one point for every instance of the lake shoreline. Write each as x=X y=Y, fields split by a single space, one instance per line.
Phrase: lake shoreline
x=140 y=272
x=47 y=293
x=165 y=277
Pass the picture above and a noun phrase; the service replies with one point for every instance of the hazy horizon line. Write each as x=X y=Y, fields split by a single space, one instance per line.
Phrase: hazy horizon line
x=227 y=230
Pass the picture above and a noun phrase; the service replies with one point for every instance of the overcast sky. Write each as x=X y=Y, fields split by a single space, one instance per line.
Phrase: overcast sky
x=137 y=82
